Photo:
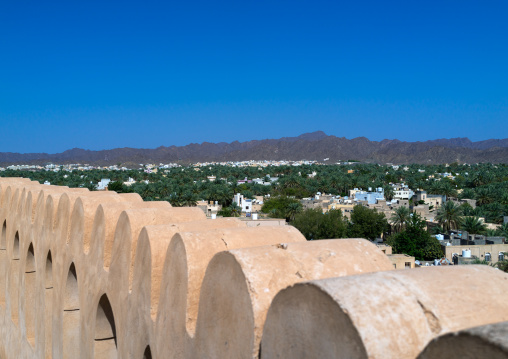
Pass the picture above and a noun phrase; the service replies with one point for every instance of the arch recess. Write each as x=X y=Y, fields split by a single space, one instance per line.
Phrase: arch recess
x=3 y=262
x=48 y=304
x=105 y=345
x=14 y=280
x=71 y=315
x=30 y=295
x=148 y=353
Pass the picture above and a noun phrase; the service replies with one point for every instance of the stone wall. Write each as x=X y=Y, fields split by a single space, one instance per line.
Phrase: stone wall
x=105 y=275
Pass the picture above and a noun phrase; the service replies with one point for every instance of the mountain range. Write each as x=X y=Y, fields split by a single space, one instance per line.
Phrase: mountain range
x=309 y=146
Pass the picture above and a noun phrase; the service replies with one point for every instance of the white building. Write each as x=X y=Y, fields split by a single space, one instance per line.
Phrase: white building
x=244 y=204
x=101 y=186
x=403 y=193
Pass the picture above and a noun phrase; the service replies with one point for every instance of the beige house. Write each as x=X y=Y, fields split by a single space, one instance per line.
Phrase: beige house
x=209 y=207
x=385 y=248
x=423 y=210
x=345 y=208
x=432 y=200
x=399 y=261
x=402 y=261
x=489 y=252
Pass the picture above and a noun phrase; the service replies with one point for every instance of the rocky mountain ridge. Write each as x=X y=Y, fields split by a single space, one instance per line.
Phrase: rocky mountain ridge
x=309 y=146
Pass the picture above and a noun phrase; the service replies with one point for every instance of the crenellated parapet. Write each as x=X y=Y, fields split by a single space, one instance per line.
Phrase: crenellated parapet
x=106 y=275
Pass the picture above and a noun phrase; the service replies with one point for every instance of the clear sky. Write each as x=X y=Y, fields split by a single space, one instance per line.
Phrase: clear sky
x=105 y=74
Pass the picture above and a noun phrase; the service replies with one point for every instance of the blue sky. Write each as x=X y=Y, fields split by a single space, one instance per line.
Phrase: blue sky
x=106 y=74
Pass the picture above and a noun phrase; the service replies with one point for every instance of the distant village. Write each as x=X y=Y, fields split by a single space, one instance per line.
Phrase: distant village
x=154 y=168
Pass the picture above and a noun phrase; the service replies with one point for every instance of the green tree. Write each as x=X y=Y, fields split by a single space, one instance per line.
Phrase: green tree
x=236 y=210
x=466 y=209
x=503 y=230
x=503 y=265
x=437 y=230
x=449 y=215
x=400 y=217
x=91 y=186
x=491 y=233
x=189 y=199
x=314 y=224
x=473 y=225
x=225 y=212
x=292 y=210
x=447 y=189
x=389 y=193
x=116 y=186
x=416 y=241
x=280 y=206
x=485 y=195
x=366 y=223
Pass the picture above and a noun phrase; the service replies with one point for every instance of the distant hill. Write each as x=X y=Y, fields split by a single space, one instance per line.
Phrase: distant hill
x=309 y=146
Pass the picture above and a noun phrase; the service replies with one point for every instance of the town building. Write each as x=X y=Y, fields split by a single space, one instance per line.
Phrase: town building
x=248 y=205
x=103 y=184
x=402 y=192
x=402 y=261
x=367 y=196
x=433 y=200
x=399 y=261
x=209 y=207
x=462 y=245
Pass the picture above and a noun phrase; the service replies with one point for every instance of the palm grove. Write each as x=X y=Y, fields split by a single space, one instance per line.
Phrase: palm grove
x=184 y=186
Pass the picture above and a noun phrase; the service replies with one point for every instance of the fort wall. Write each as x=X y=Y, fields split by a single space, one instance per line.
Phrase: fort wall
x=105 y=275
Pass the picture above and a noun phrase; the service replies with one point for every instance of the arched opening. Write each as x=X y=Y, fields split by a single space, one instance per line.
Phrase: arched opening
x=15 y=248
x=14 y=280
x=3 y=260
x=30 y=295
x=48 y=305
x=3 y=240
x=71 y=315
x=105 y=346
x=148 y=353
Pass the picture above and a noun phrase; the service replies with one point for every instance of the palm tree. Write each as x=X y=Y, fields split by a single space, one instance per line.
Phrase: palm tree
x=449 y=215
x=400 y=217
x=292 y=210
x=290 y=182
x=175 y=200
x=189 y=199
x=473 y=225
x=503 y=230
x=388 y=190
x=235 y=209
x=435 y=187
x=164 y=189
x=494 y=212
x=502 y=264
x=447 y=189
x=481 y=178
x=484 y=195
x=437 y=230
x=467 y=193
x=491 y=232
